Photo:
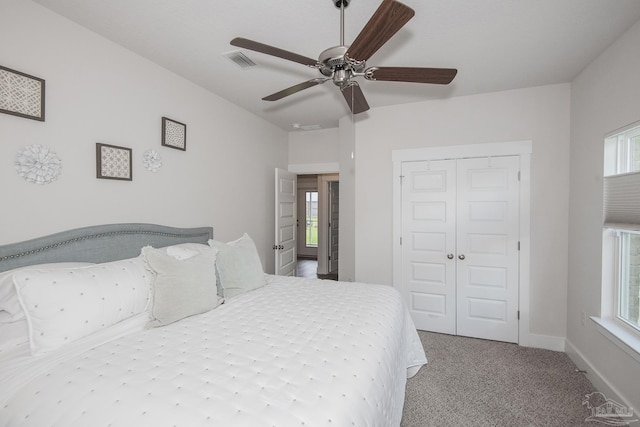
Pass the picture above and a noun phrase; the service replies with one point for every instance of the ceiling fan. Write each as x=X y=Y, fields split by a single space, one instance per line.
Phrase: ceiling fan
x=342 y=63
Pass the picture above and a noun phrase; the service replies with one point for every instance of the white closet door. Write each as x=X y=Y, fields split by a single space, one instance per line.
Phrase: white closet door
x=487 y=247
x=428 y=238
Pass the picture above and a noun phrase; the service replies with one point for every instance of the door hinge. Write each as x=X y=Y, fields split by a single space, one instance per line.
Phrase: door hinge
x=518 y=314
x=401 y=241
x=518 y=245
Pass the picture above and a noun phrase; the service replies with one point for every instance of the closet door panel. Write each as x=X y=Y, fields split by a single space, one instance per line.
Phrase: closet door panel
x=428 y=236
x=487 y=247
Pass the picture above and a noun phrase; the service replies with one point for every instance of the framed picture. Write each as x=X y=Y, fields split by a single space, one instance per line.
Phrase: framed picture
x=174 y=134
x=21 y=94
x=113 y=162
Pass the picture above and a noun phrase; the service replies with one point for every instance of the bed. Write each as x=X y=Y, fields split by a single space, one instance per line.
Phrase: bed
x=148 y=325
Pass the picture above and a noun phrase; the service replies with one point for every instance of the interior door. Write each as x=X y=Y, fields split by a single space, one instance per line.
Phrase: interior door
x=285 y=226
x=487 y=247
x=428 y=243
x=334 y=224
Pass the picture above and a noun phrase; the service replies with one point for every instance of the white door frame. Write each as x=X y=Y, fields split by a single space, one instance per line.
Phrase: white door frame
x=324 y=171
x=323 y=221
x=515 y=148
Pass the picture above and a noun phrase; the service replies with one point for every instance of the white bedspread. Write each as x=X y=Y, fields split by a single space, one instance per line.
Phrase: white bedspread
x=293 y=353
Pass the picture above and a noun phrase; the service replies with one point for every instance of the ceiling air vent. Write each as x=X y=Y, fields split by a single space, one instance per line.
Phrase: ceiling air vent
x=240 y=59
x=306 y=127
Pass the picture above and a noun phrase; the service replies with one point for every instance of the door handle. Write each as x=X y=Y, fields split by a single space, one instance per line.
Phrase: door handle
x=450 y=256
x=461 y=256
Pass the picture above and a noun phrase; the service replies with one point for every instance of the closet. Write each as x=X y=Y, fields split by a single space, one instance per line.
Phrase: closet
x=459 y=244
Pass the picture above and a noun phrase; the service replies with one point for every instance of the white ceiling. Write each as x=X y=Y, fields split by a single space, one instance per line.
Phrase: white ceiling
x=494 y=44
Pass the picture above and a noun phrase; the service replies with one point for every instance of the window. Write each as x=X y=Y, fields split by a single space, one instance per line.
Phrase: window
x=629 y=293
x=622 y=152
x=622 y=224
x=311 y=219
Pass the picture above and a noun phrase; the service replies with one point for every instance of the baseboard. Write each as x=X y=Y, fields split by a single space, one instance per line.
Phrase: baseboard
x=547 y=342
x=593 y=375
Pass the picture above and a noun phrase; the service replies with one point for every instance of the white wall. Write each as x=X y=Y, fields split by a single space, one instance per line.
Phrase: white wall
x=314 y=151
x=346 y=237
x=604 y=97
x=96 y=91
x=538 y=114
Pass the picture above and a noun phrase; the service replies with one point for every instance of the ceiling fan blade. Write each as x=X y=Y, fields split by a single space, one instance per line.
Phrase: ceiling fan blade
x=390 y=16
x=441 y=76
x=273 y=51
x=355 y=98
x=293 y=89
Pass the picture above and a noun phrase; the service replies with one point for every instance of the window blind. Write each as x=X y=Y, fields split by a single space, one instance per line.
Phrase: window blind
x=622 y=201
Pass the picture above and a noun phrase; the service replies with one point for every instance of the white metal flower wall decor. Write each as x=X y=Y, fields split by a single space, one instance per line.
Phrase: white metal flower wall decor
x=152 y=160
x=38 y=164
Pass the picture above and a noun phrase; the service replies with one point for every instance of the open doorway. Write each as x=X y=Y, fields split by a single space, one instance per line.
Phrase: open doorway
x=307 y=218
x=317 y=225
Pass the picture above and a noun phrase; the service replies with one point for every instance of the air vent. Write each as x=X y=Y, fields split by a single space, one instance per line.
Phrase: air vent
x=306 y=127
x=240 y=59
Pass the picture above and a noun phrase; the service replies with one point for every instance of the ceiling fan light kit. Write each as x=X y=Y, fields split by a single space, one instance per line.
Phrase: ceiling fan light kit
x=342 y=64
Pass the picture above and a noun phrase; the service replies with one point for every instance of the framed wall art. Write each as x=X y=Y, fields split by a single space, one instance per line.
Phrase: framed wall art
x=113 y=162
x=174 y=134
x=21 y=94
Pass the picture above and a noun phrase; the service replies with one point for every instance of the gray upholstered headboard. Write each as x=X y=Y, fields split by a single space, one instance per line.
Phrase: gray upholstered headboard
x=100 y=243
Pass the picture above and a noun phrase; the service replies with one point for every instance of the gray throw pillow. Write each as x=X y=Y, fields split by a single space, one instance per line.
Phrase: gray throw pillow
x=180 y=288
x=238 y=265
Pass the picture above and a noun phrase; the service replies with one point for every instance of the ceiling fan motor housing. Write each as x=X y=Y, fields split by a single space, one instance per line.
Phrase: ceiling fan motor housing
x=333 y=64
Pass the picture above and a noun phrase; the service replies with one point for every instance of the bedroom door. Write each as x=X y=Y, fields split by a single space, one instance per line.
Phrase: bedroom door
x=285 y=224
x=460 y=232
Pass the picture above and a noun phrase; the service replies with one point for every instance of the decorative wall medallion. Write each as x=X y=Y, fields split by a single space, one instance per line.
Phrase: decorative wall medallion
x=38 y=164
x=21 y=94
x=113 y=162
x=174 y=134
x=152 y=160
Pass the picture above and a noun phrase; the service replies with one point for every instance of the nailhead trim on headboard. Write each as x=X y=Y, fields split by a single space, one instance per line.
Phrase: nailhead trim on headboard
x=94 y=236
x=102 y=243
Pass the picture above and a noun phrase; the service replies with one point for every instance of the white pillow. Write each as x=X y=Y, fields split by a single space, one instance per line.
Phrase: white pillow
x=181 y=288
x=10 y=310
x=184 y=251
x=64 y=305
x=13 y=323
x=238 y=265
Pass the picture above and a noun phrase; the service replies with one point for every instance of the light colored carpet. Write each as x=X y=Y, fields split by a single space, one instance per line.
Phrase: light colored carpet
x=472 y=382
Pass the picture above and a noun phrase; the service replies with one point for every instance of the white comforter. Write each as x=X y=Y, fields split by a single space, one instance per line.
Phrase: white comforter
x=293 y=353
